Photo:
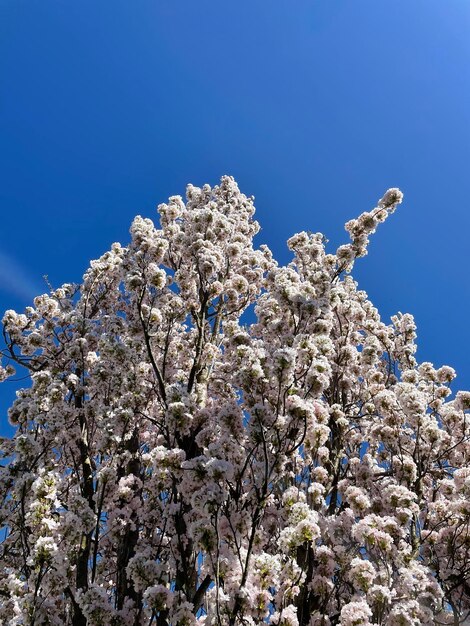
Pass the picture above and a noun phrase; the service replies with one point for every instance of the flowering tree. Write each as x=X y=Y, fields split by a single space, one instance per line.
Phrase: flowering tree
x=173 y=465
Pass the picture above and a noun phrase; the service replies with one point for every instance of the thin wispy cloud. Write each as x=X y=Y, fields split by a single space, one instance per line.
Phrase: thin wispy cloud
x=15 y=280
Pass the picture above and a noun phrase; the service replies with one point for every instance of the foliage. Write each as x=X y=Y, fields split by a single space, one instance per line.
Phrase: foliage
x=173 y=465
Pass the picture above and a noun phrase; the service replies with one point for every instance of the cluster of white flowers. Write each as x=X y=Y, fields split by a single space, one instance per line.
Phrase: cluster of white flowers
x=175 y=464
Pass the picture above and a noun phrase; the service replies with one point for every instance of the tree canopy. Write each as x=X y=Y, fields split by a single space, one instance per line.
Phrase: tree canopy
x=212 y=438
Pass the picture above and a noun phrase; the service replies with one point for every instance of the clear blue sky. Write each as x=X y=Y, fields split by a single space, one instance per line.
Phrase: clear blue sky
x=316 y=107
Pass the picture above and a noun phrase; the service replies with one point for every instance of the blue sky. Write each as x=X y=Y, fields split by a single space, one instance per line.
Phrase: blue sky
x=316 y=107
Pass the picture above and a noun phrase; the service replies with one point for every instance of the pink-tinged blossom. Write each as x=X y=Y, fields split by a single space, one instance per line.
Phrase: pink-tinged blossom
x=355 y=614
x=286 y=617
x=176 y=464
